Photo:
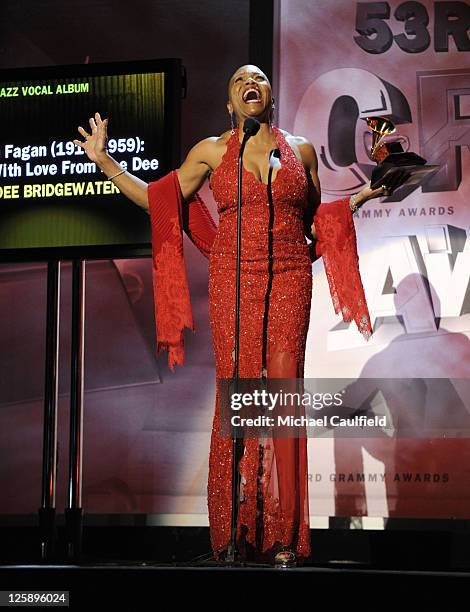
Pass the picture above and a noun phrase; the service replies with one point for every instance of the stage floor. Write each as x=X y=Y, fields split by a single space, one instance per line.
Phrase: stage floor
x=141 y=585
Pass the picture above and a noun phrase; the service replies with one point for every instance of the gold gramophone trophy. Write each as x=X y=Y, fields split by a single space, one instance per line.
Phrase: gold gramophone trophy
x=395 y=167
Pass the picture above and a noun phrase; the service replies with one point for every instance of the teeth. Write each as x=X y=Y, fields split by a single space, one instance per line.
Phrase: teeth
x=248 y=91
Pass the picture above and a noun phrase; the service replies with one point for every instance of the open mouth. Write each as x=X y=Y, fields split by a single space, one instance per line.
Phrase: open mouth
x=251 y=95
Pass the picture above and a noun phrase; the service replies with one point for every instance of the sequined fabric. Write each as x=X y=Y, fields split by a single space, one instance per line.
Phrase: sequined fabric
x=266 y=519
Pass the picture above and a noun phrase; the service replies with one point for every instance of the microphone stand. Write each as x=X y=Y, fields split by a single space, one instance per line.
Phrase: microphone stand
x=250 y=128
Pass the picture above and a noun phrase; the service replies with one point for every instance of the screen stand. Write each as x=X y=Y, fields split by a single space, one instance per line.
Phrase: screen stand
x=74 y=510
x=47 y=523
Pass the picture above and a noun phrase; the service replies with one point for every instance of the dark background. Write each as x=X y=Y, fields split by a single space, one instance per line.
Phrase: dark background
x=211 y=37
x=142 y=424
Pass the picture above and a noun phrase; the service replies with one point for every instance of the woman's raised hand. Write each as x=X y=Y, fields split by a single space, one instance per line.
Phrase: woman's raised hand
x=95 y=143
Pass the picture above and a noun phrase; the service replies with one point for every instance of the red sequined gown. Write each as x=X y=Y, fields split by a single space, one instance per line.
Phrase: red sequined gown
x=266 y=518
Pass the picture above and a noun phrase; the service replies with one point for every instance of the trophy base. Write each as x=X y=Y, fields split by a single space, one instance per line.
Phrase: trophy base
x=412 y=165
x=417 y=176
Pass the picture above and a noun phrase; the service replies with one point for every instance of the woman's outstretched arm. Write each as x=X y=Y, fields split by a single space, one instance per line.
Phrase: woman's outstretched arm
x=95 y=148
x=191 y=174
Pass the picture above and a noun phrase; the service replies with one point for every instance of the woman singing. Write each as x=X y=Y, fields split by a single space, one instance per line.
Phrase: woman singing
x=276 y=286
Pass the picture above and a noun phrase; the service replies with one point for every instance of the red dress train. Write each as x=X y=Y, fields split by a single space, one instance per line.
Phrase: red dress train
x=276 y=285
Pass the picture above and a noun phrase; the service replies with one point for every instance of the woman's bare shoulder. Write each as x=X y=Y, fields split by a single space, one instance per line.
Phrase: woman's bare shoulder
x=302 y=147
x=296 y=140
x=212 y=143
x=210 y=150
x=218 y=147
x=223 y=138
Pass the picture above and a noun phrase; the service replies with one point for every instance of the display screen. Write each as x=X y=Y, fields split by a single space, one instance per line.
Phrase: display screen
x=55 y=202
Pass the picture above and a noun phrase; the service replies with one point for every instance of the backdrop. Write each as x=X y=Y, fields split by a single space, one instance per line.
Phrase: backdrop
x=146 y=430
x=339 y=62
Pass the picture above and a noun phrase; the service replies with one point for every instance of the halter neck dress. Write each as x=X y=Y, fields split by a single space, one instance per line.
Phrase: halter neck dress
x=276 y=289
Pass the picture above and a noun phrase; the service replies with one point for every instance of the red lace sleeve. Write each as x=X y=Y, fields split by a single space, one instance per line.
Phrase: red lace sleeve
x=336 y=244
x=170 y=284
x=168 y=218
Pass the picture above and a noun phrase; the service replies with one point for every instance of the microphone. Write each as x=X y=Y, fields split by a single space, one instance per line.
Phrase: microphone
x=250 y=127
x=275 y=159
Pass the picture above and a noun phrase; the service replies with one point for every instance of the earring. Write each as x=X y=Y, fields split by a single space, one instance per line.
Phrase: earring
x=232 y=122
x=271 y=114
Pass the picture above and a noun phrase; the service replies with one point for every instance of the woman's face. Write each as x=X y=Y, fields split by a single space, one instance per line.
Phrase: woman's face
x=249 y=94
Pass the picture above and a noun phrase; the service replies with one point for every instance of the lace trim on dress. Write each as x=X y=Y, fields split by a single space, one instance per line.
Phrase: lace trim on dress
x=336 y=243
x=168 y=218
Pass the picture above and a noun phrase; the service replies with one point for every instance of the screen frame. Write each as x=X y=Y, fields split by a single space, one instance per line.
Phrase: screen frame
x=174 y=88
